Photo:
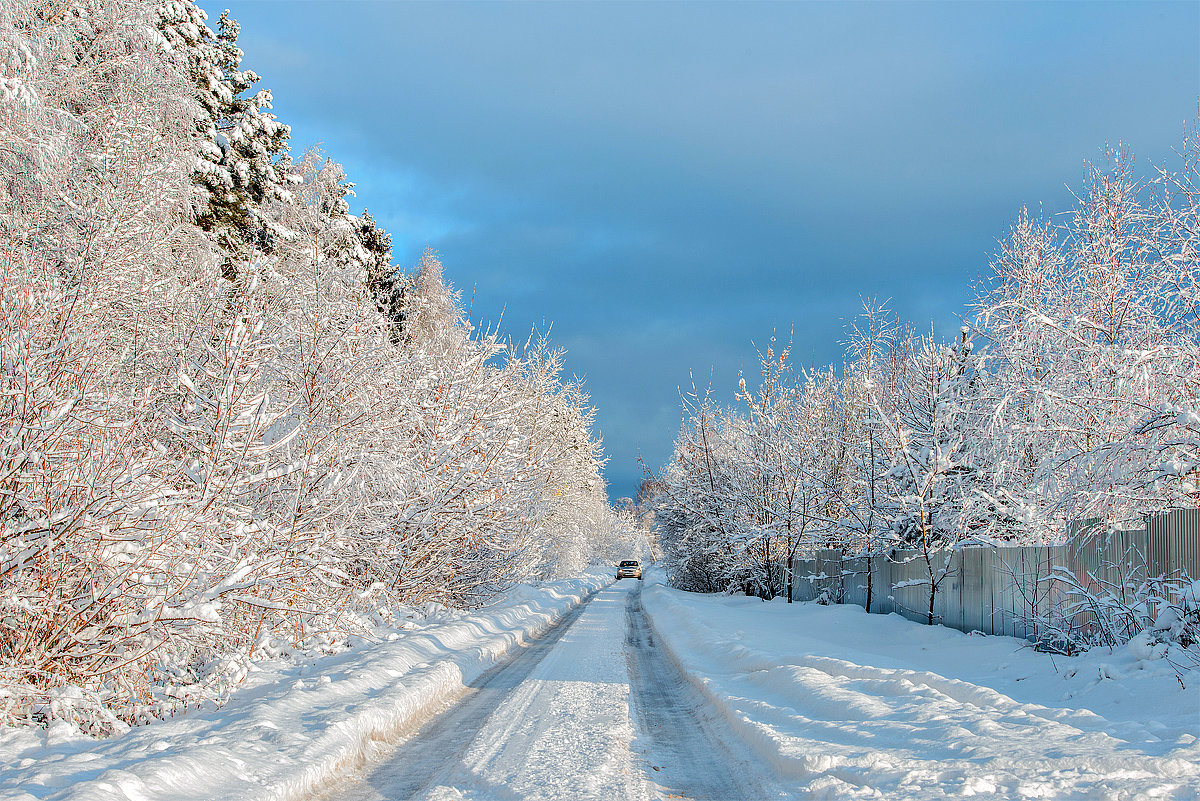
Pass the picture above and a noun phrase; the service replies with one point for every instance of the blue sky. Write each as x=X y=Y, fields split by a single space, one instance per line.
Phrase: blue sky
x=669 y=183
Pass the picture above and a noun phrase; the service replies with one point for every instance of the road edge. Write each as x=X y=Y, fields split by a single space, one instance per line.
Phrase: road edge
x=752 y=734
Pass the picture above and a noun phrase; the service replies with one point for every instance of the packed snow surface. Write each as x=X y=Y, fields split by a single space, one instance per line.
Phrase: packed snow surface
x=850 y=705
x=598 y=713
x=290 y=728
x=561 y=732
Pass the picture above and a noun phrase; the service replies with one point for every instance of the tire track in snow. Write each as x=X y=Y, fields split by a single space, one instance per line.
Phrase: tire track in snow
x=683 y=747
x=596 y=709
x=441 y=741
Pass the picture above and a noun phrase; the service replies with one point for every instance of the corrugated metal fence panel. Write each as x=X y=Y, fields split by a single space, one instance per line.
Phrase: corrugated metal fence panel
x=1085 y=558
x=1111 y=550
x=1081 y=528
x=1025 y=562
x=975 y=590
x=811 y=577
x=1183 y=543
x=1158 y=545
x=991 y=599
x=1052 y=594
x=1003 y=567
x=1034 y=592
x=802 y=586
x=1133 y=553
x=829 y=574
x=1134 y=545
x=898 y=570
x=1189 y=553
x=1037 y=569
x=1033 y=565
x=854 y=580
x=948 y=602
x=1024 y=590
x=881 y=583
x=1170 y=545
x=1005 y=590
x=910 y=584
x=1033 y=585
x=979 y=597
x=996 y=573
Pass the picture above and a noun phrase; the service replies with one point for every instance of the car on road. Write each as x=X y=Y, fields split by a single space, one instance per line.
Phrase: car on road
x=629 y=569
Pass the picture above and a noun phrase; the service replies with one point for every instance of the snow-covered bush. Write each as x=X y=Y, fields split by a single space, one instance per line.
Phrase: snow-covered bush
x=1116 y=605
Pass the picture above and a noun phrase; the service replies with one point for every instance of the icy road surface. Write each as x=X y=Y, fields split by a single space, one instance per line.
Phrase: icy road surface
x=594 y=710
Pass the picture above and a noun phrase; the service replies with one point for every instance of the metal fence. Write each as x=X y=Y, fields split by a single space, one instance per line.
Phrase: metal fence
x=1002 y=590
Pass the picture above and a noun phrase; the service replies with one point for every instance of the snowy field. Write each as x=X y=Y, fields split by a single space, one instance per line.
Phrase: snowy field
x=849 y=705
x=289 y=728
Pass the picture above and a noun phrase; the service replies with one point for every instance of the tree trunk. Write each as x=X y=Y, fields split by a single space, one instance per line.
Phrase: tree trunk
x=791 y=557
x=791 y=572
x=870 y=582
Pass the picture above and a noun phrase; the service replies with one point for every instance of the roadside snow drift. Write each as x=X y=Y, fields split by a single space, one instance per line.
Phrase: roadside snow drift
x=291 y=730
x=850 y=705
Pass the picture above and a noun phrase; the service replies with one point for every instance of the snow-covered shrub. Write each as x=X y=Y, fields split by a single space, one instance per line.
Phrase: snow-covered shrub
x=1178 y=618
x=1098 y=610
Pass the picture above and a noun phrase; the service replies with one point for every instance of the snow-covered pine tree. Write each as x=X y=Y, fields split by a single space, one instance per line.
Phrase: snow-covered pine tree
x=429 y=306
x=387 y=282
x=237 y=168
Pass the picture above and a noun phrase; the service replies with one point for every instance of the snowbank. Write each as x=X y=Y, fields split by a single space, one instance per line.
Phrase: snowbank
x=292 y=728
x=850 y=705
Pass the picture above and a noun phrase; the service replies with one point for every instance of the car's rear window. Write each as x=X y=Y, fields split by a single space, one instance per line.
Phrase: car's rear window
x=628 y=564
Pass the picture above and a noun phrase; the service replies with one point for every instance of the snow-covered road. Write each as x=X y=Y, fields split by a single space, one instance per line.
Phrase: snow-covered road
x=595 y=710
x=651 y=693
x=792 y=702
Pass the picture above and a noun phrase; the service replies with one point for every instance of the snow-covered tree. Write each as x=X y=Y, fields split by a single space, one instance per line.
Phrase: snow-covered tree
x=929 y=429
x=236 y=169
x=1090 y=329
x=696 y=528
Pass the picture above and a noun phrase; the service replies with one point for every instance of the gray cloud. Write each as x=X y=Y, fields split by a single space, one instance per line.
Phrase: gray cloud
x=667 y=182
